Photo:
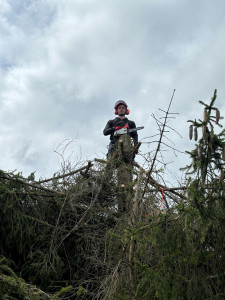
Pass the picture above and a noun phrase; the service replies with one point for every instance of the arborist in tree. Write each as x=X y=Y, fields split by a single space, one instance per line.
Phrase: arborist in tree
x=118 y=124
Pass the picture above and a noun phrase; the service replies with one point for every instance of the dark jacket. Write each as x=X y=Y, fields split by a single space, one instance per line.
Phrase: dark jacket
x=110 y=129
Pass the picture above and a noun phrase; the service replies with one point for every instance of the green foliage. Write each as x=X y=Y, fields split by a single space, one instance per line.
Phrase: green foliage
x=63 y=239
x=180 y=254
x=63 y=291
x=208 y=155
x=15 y=288
x=81 y=291
x=37 y=232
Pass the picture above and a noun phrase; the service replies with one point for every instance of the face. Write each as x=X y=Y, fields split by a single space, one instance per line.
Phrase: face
x=121 y=109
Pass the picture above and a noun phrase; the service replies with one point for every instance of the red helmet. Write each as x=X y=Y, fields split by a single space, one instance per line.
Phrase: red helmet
x=119 y=102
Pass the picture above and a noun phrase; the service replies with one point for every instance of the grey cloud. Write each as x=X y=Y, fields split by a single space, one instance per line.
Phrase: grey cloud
x=65 y=63
x=31 y=15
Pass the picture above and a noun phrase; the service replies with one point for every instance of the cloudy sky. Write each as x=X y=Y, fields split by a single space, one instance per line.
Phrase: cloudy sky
x=63 y=64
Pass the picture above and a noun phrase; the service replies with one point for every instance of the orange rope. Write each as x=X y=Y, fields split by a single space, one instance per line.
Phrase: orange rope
x=145 y=215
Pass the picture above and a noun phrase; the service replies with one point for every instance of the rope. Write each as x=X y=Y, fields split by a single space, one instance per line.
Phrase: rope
x=161 y=203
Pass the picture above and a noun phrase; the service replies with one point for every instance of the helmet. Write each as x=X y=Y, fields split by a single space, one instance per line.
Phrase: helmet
x=119 y=102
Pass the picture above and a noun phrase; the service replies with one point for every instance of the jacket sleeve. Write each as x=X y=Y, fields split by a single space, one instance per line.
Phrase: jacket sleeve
x=109 y=129
x=134 y=134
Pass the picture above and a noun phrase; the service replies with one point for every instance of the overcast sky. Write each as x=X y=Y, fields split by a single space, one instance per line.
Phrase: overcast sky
x=63 y=64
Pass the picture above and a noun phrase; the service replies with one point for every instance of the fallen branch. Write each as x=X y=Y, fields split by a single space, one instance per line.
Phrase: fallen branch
x=29 y=184
x=152 y=181
x=87 y=167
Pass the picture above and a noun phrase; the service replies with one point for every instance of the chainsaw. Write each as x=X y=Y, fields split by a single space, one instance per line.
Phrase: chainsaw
x=127 y=131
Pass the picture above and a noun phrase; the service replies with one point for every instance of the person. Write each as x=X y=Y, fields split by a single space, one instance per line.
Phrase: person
x=120 y=109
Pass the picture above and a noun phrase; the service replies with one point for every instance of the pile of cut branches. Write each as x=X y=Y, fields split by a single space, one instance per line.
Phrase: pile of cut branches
x=64 y=238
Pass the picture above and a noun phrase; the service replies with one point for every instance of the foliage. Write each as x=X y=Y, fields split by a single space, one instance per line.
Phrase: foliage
x=15 y=288
x=179 y=254
x=64 y=238
x=54 y=231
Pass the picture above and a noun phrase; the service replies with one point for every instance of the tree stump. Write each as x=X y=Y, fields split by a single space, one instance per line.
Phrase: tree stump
x=124 y=173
